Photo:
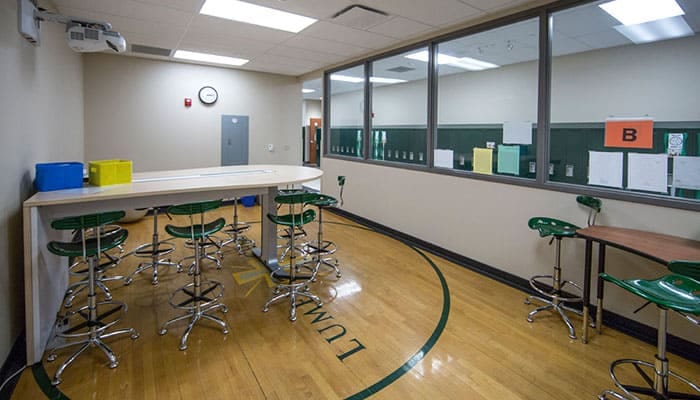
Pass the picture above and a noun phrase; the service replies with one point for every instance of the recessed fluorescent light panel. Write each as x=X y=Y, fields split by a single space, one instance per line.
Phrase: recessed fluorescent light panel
x=373 y=79
x=468 y=63
x=258 y=15
x=631 y=12
x=378 y=79
x=668 y=28
x=345 y=78
x=210 y=58
x=307 y=90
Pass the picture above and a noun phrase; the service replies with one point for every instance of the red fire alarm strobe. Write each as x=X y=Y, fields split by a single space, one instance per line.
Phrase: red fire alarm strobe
x=188 y=102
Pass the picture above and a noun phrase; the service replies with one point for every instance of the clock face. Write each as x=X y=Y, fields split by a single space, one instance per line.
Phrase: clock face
x=208 y=95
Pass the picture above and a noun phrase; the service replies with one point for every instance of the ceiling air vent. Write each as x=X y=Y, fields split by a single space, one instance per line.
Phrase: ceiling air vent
x=154 y=51
x=359 y=17
x=400 y=69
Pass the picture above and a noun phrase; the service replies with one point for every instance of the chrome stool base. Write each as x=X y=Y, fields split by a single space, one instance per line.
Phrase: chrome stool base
x=198 y=299
x=292 y=291
x=91 y=325
x=658 y=374
x=554 y=298
x=155 y=253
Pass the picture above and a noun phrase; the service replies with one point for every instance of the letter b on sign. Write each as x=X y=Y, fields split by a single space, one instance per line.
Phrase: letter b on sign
x=630 y=133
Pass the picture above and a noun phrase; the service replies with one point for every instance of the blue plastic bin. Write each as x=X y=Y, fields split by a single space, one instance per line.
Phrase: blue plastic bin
x=248 y=201
x=58 y=175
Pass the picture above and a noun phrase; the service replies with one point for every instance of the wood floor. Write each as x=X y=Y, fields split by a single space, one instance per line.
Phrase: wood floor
x=399 y=324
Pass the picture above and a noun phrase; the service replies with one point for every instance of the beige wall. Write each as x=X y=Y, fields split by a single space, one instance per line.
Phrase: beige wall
x=41 y=120
x=487 y=222
x=134 y=109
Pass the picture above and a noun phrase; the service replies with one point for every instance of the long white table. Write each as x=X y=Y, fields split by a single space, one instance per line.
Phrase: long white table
x=46 y=275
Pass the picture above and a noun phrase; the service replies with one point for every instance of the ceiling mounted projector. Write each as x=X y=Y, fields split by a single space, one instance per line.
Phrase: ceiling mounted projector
x=83 y=35
x=86 y=39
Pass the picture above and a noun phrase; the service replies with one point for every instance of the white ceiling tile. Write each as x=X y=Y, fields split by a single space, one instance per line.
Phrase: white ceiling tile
x=434 y=12
x=340 y=33
x=292 y=62
x=326 y=46
x=490 y=5
x=164 y=41
x=150 y=12
x=122 y=8
x=276 y=69
x=295 y=52
x=401 y=28
x=223 y=27
x=185 y=5
x=235 y=47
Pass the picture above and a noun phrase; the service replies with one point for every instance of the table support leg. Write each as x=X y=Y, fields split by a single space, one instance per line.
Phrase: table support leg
x=586 y=289
x=601 y=283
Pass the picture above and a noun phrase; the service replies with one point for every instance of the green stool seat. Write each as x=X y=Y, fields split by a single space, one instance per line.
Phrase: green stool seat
x=294 y=199
x=87 y=326
x=200 y=233
x=552 y=289
x=75 y=249
x=552 y=227
x=200 y=297
x=674 y=292
x=289 y=284
x=293 y=220
x=679 y=292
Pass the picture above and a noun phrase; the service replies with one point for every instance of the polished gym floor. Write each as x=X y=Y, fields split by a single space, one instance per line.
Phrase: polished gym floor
x=399 y=324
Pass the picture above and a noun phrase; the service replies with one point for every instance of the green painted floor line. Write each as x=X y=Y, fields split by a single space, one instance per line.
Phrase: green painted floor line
x=54 y=393
x=44 y=383
x=423 y=351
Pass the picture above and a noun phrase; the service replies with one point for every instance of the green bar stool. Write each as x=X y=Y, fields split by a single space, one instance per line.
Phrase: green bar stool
x=235 y=231
x=200 y=297
x=289 y=283
x=679 y=292
x=88 y=325
x=156 y=251
x=79 y=267
x=551 y=289
x=284 y=233
x=320 y=247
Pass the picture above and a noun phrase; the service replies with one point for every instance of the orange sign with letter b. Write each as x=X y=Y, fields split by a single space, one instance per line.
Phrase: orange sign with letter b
x=634 y=133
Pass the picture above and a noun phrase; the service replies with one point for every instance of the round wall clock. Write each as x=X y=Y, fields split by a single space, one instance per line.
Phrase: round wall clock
x=208 y=95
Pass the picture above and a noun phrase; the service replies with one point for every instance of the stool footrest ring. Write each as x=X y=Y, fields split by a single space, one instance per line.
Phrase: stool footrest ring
x=649 y=378
x=185 y=298
x=540 y=285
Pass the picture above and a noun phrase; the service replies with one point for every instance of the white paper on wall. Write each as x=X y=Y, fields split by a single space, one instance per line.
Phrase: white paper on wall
x=647 y=172
x=605 y=168
x=444 y=158
x=686 y=172
x=517 y=132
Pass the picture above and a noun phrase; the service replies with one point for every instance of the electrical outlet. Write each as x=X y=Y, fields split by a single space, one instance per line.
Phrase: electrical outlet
x=270 y=147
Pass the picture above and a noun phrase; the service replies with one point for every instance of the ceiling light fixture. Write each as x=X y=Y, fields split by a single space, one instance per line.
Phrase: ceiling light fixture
x=258 y=15
x=210 y=58
x=345 y=78
x=468 y=63
x=631 y=12
x=668 y=28
x=377 y=79
x=307 y=90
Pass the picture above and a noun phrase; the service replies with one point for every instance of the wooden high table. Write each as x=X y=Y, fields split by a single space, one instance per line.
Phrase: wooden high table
x=46 y=277
x=654 y=246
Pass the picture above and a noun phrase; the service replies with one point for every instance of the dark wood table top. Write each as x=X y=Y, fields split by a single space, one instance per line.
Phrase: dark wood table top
x=655 y=246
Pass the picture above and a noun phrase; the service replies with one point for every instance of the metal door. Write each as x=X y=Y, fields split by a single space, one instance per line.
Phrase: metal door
x=234 y=140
